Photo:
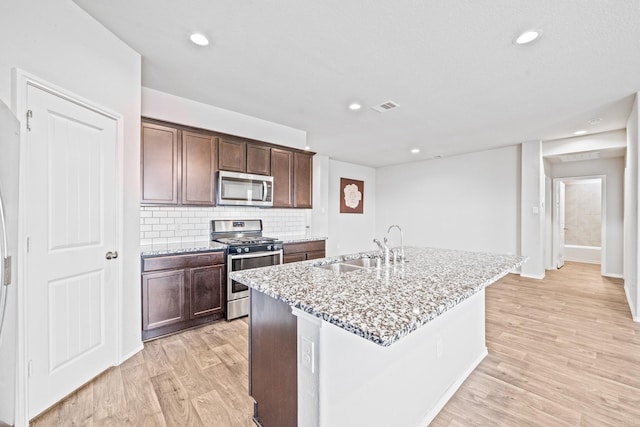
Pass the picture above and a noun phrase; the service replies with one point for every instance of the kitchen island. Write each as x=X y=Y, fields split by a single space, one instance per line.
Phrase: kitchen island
x=367 y=346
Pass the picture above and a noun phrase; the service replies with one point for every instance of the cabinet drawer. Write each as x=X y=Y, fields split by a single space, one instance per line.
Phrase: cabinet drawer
x=182 y=261
x=316 y=245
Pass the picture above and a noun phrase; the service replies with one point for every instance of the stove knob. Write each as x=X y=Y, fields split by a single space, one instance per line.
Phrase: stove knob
x=269 y=248
x=239 y=250
x=246 y=249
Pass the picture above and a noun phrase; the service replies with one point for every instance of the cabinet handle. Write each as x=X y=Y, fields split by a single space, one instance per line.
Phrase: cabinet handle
x=111 y=255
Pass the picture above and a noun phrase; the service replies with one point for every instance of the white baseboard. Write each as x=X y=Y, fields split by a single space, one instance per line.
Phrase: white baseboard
x=585 y=254
x=452 y=390
x=135 y=351
x=613 y=275
x=634 y=314
x=529 y=276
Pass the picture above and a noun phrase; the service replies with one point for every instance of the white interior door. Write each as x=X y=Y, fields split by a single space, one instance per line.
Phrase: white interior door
x=71 y=286
x=560 y=224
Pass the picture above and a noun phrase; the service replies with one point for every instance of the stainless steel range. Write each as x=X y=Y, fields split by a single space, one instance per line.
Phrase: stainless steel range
x=246 y=248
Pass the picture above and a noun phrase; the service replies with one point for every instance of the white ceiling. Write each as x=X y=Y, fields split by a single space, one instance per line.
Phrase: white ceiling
x=461 y=84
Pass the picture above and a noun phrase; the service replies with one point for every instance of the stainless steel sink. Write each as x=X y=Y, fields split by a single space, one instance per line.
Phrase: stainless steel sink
x=339 y=267
x=350 y=265
x=362 y=262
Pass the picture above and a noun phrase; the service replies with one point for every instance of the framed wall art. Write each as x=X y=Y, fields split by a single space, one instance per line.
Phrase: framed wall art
x=351 y=196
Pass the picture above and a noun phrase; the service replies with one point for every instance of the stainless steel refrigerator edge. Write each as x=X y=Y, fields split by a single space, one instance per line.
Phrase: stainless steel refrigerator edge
x=9 y=168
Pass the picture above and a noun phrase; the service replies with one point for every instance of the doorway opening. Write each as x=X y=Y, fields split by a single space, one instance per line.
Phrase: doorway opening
x=578 y=218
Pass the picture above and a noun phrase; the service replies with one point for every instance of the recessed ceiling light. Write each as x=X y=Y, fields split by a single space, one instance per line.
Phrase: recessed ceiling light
x=580 y=132
x=355 y=106
x=199 y=39
x=527 y=37
x=594 y=121
x=415 y=150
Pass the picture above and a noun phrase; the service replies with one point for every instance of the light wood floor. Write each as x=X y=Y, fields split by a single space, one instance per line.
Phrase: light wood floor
x=562 y=352
x=195 y=378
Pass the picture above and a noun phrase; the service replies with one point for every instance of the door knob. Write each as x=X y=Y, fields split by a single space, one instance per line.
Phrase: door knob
x=111 y=255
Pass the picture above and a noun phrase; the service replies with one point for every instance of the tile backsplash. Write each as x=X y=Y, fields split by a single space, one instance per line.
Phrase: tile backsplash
x=161 y=225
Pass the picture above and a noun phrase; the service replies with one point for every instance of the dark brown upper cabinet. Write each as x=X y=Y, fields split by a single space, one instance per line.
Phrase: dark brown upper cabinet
x=242 y=156
x=302 y=180
x=232 y=155
x=177 y=166
x=282 y=172
x=198 y=169
x=258 y=159
x=159 y=163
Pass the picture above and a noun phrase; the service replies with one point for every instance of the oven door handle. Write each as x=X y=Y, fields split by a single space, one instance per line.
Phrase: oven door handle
x=255 y=255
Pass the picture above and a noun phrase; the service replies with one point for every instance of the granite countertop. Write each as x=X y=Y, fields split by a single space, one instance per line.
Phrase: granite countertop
x=204 y=246
x=302 y=239
x=382 y=305
x=181 y=248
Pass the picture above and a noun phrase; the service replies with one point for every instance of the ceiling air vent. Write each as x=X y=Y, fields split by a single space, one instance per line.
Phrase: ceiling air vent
x=385 y=106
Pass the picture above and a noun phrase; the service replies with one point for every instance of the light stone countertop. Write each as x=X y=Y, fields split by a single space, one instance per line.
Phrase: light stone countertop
x=302 y=239
x=181 y=248
x=205 y=246
x=382 y=305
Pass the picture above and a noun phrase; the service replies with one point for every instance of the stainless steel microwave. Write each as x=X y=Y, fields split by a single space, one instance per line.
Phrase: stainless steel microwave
x=244 y=189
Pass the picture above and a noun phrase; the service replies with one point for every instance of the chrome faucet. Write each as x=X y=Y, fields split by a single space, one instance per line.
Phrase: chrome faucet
x=401 y=255
x=384 y=250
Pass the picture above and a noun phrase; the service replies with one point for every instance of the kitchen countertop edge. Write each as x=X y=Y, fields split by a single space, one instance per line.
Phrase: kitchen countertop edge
x=253 y=278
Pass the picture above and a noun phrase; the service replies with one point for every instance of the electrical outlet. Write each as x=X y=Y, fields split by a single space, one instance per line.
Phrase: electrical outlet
x=307 y=354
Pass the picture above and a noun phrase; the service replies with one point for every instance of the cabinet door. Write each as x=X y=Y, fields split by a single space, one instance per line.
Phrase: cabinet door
x=232 y=155
x=198 y=169
x=315 y=254
x=159 y=164
x=273 y=361
x=282 y=172
x=258 y=159
x=294 y=258
x=163 y=299
x=206 y=290
x=303 y=180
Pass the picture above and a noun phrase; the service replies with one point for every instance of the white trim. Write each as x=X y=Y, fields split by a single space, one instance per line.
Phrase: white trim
x=21 y=80
x=634 y=314
x=131 y=354
x=451 y=390
x=613 y=275
x=530 y=276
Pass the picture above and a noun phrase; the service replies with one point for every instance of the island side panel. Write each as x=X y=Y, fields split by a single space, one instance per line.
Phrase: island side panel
x=273 y=361
x=405 y=384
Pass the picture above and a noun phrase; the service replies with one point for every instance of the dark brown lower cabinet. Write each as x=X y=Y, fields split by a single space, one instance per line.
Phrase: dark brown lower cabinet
x=273 y=372
x=302 y=251
x=181 y=291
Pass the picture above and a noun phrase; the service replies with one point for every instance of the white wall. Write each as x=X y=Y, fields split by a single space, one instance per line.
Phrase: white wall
x=469 y=201
x=58 y=42
x=319 y=221
x=613 y=170
x=597 y=141
x=631 y=225
x=532 y=216
x=350 y=232
x=171 y=108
